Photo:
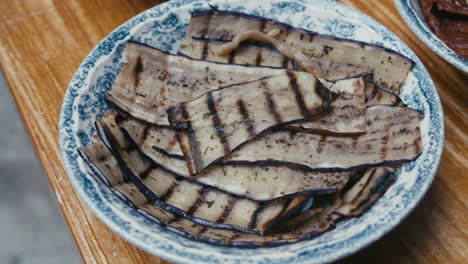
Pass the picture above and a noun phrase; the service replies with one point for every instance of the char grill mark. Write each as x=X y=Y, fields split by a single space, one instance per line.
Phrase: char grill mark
x=298 y=95
x=258 y=59
x=165 y=196
x=138 y=71
x=227 y=209
x=321 y=144
x=232 y=57
x=271 y=105
x=200 y=200
x=285 y=63
x=245 y=117
x=145 y=134
x=192 y=151
x=205 y=51
x=263 y=26
x=148 y=170
x=217 y=123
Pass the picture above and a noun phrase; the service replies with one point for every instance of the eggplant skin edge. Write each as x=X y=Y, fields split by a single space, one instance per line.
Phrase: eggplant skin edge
x=99 y=175
x=308 y=168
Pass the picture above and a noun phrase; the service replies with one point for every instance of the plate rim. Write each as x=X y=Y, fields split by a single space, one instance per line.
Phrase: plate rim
x=429 y=38
x=65 y=115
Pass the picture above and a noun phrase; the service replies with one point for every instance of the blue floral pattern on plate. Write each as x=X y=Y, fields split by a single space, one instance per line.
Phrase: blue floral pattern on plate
x=412 y=14
x=163 y=27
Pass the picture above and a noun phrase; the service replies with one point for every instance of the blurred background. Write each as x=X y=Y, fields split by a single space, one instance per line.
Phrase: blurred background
x=32 y=229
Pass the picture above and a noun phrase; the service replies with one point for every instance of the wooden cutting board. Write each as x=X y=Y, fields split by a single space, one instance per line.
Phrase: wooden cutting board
x=42 y=42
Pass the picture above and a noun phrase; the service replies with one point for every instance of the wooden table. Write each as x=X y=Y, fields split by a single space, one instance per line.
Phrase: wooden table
x=42 y=42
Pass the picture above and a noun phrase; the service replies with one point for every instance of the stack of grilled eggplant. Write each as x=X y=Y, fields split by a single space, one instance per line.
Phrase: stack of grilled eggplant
x=236 y=143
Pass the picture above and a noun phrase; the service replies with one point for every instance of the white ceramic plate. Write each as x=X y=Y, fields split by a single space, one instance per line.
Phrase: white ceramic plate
x=164 y=27
x=412 y=14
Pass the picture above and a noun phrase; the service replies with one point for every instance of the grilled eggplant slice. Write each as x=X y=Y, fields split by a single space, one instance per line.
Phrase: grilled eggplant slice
x=215 y=124
x=366 y=191
x=315 y=223
x=153 y=80
x=261 y=183
x=183 y=197
x=339 y=58
x=347 y=114
x=393 y=136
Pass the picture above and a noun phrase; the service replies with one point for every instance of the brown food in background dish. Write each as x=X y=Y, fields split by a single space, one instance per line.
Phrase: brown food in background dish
x=447 y=18
x=453 y=6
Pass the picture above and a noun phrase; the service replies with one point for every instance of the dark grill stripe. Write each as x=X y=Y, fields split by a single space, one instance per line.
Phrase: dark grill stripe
x=218 y=127
x=130 y=145
x=326 y=95
x=354 y=142
x=202 y=194
x=205 y=51
x=174 y=220
x=298 y=95
x=236 y=235
x=321 y=144
x=194 y=145
x=148 y=170
x=285 y=206
x=170 y=191
x=263 y=26
x=384 y=146
x=245 y=116
x=144 y=136
x=254 y=218
x=232 y=56
x=258 y=60
x=138 y=71
x=272 y=106
x=227 y=209
x=285 y=62
x=202 y=230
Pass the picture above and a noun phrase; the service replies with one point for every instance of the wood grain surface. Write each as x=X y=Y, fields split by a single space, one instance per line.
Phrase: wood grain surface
x=42 y=42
